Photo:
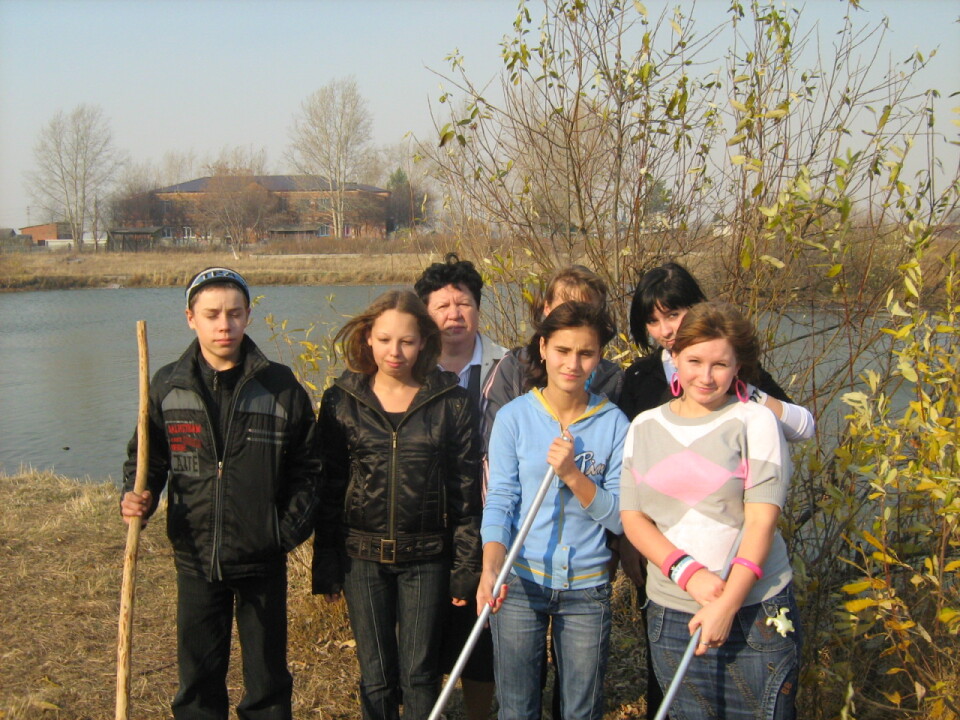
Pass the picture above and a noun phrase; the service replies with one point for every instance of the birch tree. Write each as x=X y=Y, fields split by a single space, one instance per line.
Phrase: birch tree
x=332 y=138
x=76 y=162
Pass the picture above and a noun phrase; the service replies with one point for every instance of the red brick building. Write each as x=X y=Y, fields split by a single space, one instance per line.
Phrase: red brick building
x=40 y=234
x=283 y=206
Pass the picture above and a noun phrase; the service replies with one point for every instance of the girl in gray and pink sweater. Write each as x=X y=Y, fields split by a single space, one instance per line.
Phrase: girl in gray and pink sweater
x=704 y=475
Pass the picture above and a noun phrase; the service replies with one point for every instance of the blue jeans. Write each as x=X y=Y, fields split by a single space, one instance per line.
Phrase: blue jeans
x=753 y=675
x=397 y=662
x=205 y=613
x=581 y=636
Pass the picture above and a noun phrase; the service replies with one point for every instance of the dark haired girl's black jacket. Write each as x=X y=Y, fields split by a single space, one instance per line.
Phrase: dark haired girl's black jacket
x=235 y=507
x=399 y=495
x=646 y=387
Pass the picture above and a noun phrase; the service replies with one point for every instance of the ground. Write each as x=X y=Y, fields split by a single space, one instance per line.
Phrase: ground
x=61 y=556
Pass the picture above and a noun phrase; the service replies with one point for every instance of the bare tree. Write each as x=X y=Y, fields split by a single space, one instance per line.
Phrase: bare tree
x=332 y=138
x=234 y=203
x=76 y=162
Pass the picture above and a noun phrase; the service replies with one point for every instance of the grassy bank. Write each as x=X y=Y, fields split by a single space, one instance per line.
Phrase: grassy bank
x=61 y=557
x=62 y=270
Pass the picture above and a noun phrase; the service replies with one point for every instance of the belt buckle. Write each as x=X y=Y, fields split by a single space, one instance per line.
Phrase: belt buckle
x=388 y=551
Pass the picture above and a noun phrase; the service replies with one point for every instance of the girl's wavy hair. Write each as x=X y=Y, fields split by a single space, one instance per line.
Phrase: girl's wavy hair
x=357 y=354
x=566 y=316
x=668 y=287
x=575 y=281
x=714 y=321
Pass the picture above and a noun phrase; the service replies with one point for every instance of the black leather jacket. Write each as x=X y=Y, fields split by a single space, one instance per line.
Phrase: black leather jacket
x=232 y=511
x=399 y=495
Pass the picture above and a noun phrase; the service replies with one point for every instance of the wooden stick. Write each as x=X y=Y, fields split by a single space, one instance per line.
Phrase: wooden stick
x=125 y=633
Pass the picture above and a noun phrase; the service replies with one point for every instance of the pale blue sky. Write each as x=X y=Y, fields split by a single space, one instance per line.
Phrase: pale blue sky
x=200 y=75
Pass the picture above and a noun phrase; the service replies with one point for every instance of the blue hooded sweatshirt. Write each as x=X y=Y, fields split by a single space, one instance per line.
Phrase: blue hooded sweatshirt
x=566 y=548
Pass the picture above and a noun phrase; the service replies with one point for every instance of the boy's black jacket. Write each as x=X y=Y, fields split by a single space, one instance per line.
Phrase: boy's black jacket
x=240 y=518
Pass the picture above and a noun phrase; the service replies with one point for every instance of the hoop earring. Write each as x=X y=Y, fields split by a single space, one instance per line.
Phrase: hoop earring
x=740 y=387
x=675 y=388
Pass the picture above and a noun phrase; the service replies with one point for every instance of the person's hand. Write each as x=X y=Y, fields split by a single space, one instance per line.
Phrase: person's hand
x=136 y=506
x=485 y=592
x=705 y=587
x=458 y=602
x=331 y=597
x=714 y=621
x=560 y=455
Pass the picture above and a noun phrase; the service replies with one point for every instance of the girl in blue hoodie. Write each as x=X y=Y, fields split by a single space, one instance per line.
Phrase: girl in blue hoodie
x=561 y=572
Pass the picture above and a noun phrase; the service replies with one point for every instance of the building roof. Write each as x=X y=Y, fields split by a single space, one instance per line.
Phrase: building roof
x=275 y=183
x=151 y=230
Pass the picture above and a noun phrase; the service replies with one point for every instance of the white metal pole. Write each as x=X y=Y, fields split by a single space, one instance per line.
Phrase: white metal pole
x=497 y=585
x=692 y=645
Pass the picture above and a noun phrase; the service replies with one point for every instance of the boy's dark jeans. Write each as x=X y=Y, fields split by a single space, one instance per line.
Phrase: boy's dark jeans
x=204 y=621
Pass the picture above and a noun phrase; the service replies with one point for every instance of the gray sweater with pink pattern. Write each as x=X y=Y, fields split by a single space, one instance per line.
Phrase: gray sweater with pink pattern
x=692 y=477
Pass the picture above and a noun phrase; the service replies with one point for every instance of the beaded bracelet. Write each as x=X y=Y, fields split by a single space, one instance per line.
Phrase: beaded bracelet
x=749 y=565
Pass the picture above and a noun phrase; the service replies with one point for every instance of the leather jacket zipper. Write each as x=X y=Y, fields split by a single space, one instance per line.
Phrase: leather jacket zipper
x=394 y=452
x=392 y=492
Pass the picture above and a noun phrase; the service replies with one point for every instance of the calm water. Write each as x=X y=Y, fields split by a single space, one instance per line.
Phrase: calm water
x=68 y=365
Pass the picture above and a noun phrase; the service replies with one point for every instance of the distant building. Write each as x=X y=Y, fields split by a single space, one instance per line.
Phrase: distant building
x=135 y=238
x=277 y=207
x=55 y=234
x=11 y=240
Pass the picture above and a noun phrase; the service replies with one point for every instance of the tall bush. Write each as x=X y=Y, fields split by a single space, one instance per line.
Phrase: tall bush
x=802 y=181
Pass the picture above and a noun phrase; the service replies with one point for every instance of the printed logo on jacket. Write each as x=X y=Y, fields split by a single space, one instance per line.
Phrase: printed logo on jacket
x=185 y=444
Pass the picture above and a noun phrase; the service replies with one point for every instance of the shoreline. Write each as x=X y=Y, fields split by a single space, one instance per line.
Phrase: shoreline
x=25 y=272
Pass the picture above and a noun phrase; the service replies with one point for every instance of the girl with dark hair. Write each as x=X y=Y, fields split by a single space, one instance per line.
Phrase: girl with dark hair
x=661 y=299
x=398 y=529
x=705 y=477
x=562 y=571
x=510 y=377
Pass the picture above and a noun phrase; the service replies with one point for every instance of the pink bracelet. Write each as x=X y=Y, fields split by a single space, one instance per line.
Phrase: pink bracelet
x=670 y=561
x=688 y=573
x=751 y=566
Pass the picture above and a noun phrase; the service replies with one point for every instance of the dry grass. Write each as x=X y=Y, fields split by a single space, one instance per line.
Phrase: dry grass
x=58 y=270
x=61 y=550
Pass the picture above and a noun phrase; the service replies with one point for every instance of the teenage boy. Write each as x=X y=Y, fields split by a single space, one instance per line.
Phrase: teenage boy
x=451 y=292
x=232 y=437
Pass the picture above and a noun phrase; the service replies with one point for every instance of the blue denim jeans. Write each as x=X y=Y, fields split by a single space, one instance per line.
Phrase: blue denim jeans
x=395 y=613
x=581 y=636
x=753 y=675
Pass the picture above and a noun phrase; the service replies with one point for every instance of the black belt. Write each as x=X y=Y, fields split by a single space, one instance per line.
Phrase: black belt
x=370 y=546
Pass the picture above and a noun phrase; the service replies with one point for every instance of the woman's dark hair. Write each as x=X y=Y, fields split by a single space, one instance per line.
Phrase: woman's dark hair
x=716 y=320
x=667 y=287
x=452 y=271
x=357 y=353
x=574 y=281
x=565 y=316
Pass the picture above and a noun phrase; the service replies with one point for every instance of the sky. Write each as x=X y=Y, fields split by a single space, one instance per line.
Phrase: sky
x=202 y=75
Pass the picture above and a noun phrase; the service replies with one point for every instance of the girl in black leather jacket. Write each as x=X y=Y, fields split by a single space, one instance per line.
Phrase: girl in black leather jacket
x=398 y=529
